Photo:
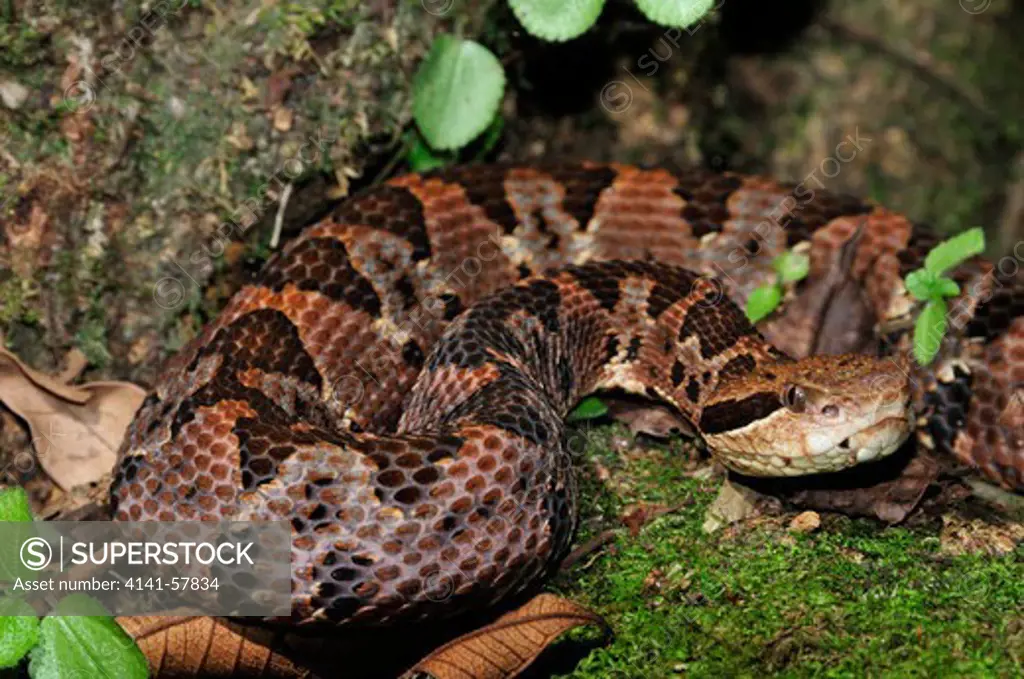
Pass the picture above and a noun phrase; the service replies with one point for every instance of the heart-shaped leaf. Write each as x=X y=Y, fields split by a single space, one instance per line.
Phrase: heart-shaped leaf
x=456 y=92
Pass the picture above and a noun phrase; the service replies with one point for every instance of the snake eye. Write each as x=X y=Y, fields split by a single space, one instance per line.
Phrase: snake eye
x=794 y=398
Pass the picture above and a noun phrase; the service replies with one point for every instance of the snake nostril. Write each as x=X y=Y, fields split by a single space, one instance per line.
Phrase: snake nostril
x=845 y=444
x=830 y=411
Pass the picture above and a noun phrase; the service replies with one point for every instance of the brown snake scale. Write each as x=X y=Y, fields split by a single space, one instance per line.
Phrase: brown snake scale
x=395 y=382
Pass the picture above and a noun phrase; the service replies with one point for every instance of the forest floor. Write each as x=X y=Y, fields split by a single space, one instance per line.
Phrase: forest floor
x=116 y=178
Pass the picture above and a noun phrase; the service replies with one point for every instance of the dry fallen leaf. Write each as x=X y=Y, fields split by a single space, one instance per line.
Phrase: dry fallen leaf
x=805 y=522
x=636 y=516
x=506 y=647
x=76 y=430
x=889 y=489
x=734 y=503
x=644 y=417
x=961 y=536
x=179 y=647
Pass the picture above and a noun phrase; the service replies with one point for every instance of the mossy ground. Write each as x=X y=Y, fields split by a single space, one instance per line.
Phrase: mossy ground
x=853 y=598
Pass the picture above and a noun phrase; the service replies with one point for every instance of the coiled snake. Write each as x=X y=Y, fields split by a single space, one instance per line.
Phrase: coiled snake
x=395 y=382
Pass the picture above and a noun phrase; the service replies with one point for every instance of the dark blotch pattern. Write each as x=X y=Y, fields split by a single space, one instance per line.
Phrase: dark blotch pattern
x=322 y=265
x=693 y=390
x=740 y=365
x=413 y=354
x=390 y=208
x=948 y=404
x=266 y=340
x=734 y=414
x=718 y=327
x=706 y=195
x=993 y=318
x=583 y=186
x=484 y=186
x=814 y=211
x=678 y=373
x=605 y=289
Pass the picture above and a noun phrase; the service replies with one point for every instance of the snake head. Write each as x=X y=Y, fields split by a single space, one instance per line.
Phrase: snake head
x=819 y=414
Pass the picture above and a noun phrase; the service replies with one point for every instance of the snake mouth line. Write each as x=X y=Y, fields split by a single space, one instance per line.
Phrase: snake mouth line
x=887 y=435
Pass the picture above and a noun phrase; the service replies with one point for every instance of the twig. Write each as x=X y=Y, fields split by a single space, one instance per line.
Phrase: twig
x=921 y=62
x=592 y=545
x=279 y=218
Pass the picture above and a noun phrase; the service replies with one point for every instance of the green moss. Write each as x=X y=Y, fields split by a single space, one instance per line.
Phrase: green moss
x=20 y=43
x=16 y=294
x=855 y=598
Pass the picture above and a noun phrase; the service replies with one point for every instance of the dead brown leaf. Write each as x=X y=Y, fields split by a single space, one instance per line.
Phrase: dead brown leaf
x=735 y=502
x=974 y=536
x=185 y=647
x=76 y=430
x=646 y=417
x=636 y=516
x=506 y=647
x=805 y=522
x=888 y=490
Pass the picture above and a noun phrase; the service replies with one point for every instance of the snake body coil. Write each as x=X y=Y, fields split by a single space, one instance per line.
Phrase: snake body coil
x=395 y=382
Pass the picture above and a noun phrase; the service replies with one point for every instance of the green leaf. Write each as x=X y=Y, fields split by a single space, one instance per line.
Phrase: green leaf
x=14 y=505
x=14 y=508
x=80 y=604
x=85 y=647
x=19 y=630
x=456 y=92
x=929 y=331
x=556 y=20
x=946 y=287
x=589 y=408
x=792 y=266
x=763 y=301
x=948 y=254
x=492 y=136
x=681 y=13
x=921 y=283
x=422 y=158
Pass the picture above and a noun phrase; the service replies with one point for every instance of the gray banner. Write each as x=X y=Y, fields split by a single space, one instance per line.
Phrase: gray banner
x=228 y=568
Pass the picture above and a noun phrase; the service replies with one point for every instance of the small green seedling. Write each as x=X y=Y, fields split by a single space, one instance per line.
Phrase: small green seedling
x=931 y=287
x=789 y=267
x=62 y=645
